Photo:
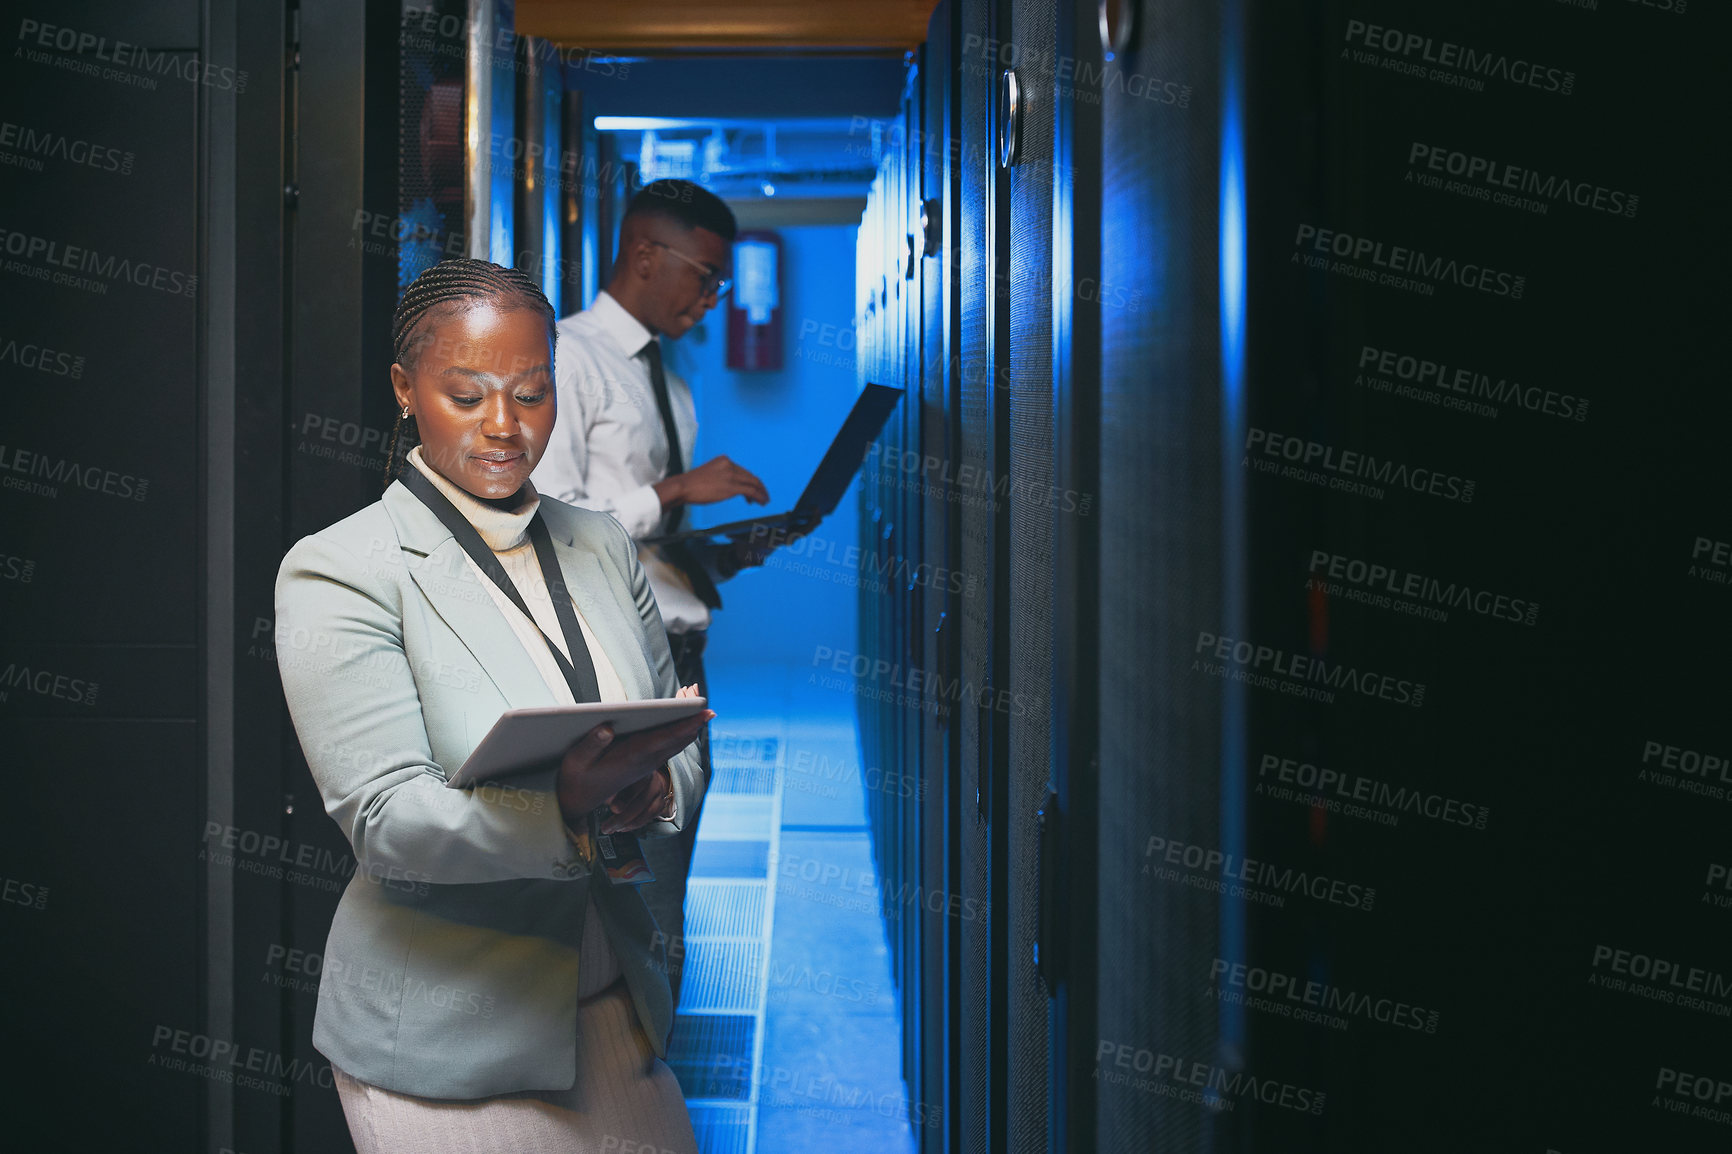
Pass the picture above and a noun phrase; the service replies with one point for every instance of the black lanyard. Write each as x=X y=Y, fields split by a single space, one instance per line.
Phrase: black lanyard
x=579 y=671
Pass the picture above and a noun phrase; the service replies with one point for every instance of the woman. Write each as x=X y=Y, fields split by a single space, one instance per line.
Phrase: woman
x=487 y=984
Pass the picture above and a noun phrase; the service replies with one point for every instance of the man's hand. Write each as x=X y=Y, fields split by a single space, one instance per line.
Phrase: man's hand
x=715 y=480
x=749 y=549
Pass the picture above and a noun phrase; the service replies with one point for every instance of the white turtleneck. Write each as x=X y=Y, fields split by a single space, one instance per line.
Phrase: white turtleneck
x=507 y=534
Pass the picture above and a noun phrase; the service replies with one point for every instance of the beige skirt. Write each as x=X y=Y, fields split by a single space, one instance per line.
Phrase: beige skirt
x=626 y=1100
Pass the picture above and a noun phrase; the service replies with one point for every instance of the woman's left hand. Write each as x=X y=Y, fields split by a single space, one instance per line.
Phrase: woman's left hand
x=648 y=800
x=639 y=804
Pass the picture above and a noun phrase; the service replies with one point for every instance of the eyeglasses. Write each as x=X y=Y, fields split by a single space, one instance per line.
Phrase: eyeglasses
x=714 y=281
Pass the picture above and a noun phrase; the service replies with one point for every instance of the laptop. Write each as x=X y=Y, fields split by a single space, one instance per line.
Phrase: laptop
x=829 y=480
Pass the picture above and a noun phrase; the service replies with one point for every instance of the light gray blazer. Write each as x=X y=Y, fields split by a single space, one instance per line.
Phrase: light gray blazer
x=452 y=965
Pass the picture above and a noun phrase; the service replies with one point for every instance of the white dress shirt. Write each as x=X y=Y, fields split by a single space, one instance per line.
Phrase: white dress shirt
x=608 y=447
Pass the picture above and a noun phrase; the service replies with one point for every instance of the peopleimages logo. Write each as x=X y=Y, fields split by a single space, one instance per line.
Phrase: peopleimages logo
x=1071 y=77
x=1662 y=980
x=100 y=50
x=1390 y=587
x=36 y=145
x=1212 y=869
x=1693 y=1095
x=1675 y=7
x=30 y=895
x=1686 y=770
x=1415 y=268
x=73 y=259
x=1523 y=187
x=966 y=481
x=15 y=568
x=40 y=358
x=1287 y=995
x=267 y=854
x=927 y=691
x=1453 y=387
x=222 y=1060
x=1121 y=1063
x=1711 y=561
x=1718 y=887
x=1459 y=65
x=94 y=478
x=1316 y=678
x=424 y=26
x=1347 y=470
x=1355 y=795
x=46 y=683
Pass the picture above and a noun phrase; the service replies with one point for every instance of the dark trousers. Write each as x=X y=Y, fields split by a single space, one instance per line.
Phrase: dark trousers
x=670 y=858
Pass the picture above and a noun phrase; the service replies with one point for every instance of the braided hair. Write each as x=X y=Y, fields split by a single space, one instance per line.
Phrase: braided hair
x=441 y=291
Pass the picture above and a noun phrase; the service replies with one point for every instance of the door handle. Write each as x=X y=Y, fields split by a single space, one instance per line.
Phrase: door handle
x=916 y=603
x=1117 y=17
x=1009 y=119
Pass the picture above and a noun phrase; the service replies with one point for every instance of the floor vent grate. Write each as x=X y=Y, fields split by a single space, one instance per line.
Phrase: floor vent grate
x=711 y=1054
x=724 y=909
x=721 y=977
x=722 y=1128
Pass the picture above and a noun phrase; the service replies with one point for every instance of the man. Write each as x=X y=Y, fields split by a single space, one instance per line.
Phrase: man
x=624 y=437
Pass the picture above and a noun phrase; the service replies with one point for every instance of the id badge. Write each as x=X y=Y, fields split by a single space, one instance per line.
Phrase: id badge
x=619 y=853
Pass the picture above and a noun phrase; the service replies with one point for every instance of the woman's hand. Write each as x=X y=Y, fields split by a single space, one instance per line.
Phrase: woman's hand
x=600 y=769
x=649 y=800
x=636 y=806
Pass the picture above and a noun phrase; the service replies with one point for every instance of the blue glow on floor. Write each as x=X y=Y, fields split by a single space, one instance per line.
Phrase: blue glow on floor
x=826 y=1055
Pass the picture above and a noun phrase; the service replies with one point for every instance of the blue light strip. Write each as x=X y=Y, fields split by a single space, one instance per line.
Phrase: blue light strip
x=781 y=123
x=552 y=243
x=1233 y=709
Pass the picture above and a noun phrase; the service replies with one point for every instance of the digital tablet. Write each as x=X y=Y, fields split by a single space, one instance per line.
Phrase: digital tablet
x=526 y=739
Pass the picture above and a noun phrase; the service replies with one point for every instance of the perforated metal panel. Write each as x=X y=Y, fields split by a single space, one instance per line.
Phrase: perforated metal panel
x=1160 y=578
x=711 y=1054
x=938 y=607
x=721 y=976
x=750 y=771
x=724 y=909
x=430 y=139
x=721 y=1128
x=1033 y=506
x=1225 y=123
x=975 y=153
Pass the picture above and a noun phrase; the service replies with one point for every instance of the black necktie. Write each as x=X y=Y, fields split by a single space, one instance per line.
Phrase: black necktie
x=676 y=551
